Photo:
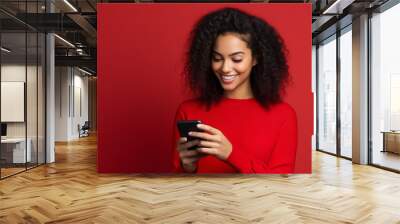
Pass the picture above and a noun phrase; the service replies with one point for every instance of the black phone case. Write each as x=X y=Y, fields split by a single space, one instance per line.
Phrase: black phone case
x=186 y=126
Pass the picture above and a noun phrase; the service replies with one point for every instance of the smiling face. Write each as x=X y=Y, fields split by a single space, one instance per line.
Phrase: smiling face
x=232 y=62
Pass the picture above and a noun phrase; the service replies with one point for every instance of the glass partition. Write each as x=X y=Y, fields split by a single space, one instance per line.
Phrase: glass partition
x=22 y=78
x=14 y=153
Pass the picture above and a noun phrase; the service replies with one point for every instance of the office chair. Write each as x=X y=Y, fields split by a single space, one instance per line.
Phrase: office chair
x=84 y=130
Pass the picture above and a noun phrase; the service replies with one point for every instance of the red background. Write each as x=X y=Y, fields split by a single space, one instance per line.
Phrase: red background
x=140 y=58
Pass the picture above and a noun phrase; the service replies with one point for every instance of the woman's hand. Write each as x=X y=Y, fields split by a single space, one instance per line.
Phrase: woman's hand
x=188 y=157
x=213 y=142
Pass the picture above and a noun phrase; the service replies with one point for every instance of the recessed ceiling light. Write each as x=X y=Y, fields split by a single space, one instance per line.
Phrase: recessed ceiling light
x=70 y=5
x=84 y=71
x=5 y=50
x=64 y=40
x=337 y=7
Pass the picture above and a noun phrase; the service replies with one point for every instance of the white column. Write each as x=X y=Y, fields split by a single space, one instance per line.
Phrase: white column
x=50 y=92
x=50 y=110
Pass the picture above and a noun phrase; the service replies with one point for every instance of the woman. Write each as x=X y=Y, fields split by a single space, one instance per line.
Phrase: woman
x=236 y=66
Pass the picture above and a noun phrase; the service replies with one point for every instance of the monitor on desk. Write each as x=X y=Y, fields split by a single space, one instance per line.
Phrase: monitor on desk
x=3 y=130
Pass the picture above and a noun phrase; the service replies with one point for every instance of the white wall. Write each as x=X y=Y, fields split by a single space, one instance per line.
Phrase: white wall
x=16 y=73
x=80 y=102
x=62 y=81
x=71 y=93
x=13 y=73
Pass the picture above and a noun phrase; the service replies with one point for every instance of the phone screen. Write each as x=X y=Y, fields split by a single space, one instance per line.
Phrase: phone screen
x=186 y=126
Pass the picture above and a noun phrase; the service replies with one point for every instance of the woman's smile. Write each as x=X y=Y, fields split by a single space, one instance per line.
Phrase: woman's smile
x=227 y=79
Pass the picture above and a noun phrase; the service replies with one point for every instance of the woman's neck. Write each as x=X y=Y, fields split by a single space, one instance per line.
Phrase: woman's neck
x=241 y=92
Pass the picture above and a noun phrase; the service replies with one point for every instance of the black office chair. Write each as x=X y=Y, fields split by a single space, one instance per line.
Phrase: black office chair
x=84 y=130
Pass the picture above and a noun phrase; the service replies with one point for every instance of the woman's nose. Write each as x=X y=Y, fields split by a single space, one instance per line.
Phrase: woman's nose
x=226 y=67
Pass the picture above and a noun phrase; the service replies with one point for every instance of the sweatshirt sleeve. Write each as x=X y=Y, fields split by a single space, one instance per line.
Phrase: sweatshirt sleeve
x=176 y=162
x=283 y=156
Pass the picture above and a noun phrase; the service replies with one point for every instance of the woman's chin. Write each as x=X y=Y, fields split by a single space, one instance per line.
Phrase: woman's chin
x=228 y=87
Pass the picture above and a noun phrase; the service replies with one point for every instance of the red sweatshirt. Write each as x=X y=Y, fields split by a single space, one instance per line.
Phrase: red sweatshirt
x=263 y=141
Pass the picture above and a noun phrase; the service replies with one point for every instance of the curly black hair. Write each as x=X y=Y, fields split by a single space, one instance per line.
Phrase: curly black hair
x=268 y=77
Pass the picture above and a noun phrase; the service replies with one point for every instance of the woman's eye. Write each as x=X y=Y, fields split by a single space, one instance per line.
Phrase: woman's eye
x=237 y=60
x=217 y=59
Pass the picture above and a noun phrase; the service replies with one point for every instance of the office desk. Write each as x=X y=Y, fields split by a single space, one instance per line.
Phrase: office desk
x=13 y=150
x=391 y=141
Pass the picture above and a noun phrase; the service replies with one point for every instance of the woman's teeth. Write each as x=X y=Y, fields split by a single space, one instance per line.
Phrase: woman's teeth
x=228 y=77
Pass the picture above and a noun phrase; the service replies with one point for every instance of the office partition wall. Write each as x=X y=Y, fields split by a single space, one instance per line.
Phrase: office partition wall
x=22 y=99
x=15 y=152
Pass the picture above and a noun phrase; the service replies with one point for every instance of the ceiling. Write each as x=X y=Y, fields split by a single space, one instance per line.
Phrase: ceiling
x=76 y=22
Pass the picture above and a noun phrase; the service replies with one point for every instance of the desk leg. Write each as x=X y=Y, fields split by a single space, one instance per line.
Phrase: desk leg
x=384 y=142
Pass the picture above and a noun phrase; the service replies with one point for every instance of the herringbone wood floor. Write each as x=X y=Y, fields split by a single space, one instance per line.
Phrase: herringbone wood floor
x=70 y=191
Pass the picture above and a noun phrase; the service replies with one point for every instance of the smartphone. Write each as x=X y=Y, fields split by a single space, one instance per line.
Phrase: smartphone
x=186 y=126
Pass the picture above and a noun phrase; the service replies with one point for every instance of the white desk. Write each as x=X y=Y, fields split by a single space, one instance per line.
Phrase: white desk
x=18 y=149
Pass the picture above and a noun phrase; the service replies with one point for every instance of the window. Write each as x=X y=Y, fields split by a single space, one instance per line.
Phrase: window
x=327 y=95
x=385 y=88
x=346 y=92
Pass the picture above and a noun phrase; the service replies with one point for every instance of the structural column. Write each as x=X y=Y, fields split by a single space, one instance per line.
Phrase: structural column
x=50 y=92
x=360 y=89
